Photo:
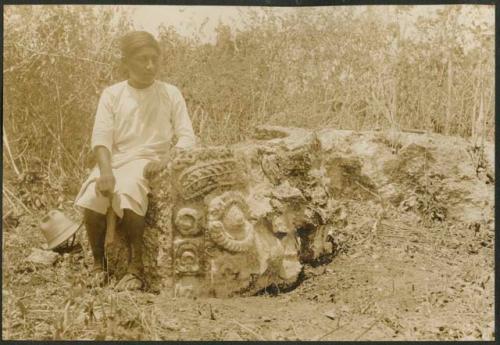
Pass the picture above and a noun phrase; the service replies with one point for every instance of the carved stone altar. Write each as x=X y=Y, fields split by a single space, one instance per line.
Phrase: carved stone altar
x=236 y=220
x=245 y=220
x=226 y=221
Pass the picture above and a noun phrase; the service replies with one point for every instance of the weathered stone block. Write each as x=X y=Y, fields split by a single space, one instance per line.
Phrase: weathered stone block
x=234 y=220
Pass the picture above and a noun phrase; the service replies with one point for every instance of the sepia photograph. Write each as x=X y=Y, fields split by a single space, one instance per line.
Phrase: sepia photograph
x=251 y=173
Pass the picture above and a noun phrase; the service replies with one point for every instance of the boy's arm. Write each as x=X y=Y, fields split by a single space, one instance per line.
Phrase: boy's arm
x=182 y=125
x=183 y=130
x=105 y=184
x=101 y=143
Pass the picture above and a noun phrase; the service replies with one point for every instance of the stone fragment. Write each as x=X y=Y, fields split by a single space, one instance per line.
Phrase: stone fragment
x=287 y=193
x=259 y=206
x=290 y=269
x=331 y=314
x=171 y=325
x=263 y=133
x=290 y=266
x=270 y=250
x=42 y=257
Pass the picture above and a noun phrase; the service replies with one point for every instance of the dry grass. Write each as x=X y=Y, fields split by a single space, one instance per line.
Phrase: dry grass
x=311 y=68
x=63 y=301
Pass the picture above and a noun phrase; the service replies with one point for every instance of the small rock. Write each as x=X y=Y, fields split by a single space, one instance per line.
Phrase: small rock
x=286 y=192
x=171 y=325
x=331 y=314
x=290 y=269
x=42 y=257
x=345 y=309
x=10 y=221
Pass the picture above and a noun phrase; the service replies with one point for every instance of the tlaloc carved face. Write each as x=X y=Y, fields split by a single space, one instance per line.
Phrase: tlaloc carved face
x=212 y=231
x=220 y=245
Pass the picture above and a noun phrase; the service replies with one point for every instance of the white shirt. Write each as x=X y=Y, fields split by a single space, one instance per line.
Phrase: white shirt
x=140 y=123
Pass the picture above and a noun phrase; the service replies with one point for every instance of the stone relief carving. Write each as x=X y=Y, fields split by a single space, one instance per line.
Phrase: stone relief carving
x=187 y=257
x=186 y=222
x=212 y=232
x=203 y=178
x=243 y=219
x=203 y=170
x=228 y=224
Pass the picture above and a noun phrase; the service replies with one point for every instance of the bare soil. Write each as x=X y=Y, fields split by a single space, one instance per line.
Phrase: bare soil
x=388 y=281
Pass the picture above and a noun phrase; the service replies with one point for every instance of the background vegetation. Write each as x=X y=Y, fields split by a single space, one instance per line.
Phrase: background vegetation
x=314 y=67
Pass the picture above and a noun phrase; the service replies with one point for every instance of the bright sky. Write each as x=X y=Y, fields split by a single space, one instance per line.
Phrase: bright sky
x=187 y=19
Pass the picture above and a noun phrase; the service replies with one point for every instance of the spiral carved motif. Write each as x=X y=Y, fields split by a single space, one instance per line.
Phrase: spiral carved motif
x=187 y=260
x=186 y=221
x=227 y=216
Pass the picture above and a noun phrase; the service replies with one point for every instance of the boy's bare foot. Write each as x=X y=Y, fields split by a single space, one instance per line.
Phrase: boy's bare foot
x=130 y=282
x=99 y=277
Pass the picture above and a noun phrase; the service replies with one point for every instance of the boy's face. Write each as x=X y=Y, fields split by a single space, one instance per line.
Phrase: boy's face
x=142 y=67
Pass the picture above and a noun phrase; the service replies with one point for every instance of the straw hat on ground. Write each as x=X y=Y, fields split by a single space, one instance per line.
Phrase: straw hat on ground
x=57 y=228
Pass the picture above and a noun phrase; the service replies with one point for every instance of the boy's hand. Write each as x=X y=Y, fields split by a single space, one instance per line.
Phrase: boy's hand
x=105 y=184
x=176 y=151
x=153 y=168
